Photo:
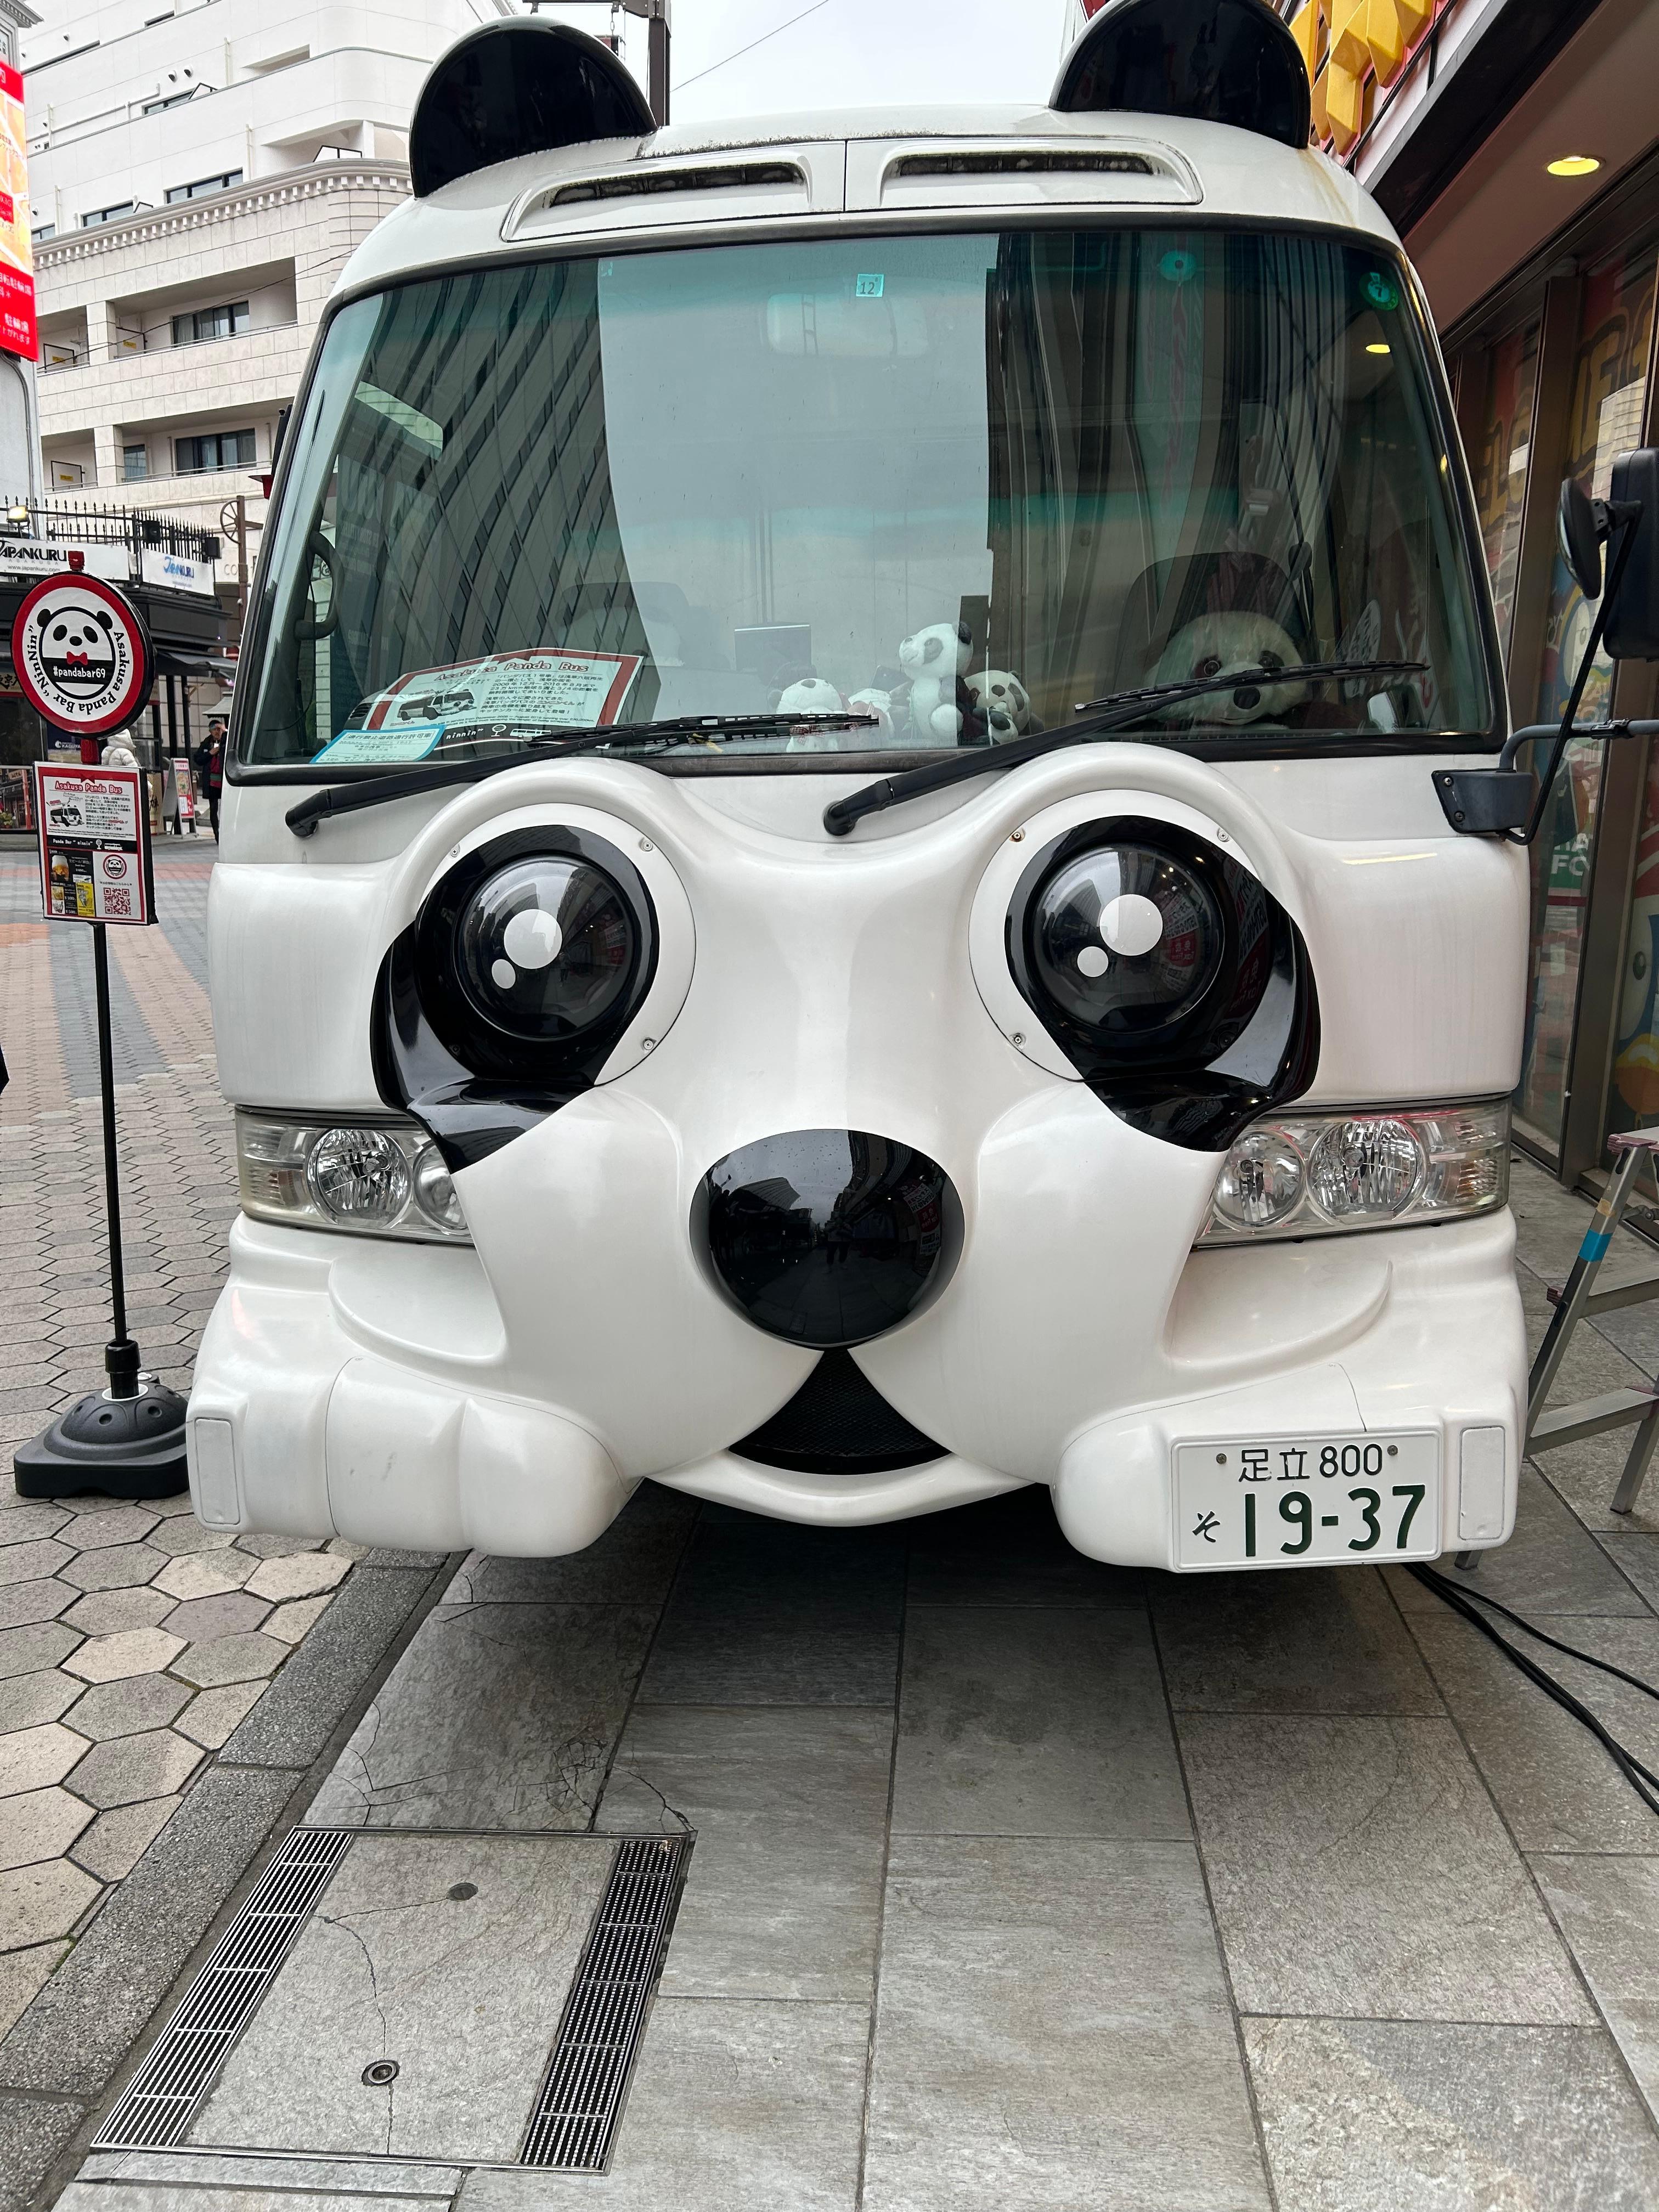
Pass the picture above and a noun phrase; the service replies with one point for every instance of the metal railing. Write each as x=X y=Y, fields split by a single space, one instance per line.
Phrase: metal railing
x=140 y=529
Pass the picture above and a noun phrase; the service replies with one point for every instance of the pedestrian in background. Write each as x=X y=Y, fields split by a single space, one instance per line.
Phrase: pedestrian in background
x=213 y=766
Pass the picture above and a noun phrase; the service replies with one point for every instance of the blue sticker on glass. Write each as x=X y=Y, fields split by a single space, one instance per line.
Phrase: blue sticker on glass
x=868 y=287
x=1177 y=266
x=1381 y=291
x=413 y=741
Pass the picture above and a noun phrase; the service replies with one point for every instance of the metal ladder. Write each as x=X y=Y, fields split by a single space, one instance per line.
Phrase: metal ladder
x=1578 y=1298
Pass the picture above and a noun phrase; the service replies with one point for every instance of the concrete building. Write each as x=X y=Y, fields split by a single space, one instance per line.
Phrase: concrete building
x=198 y=175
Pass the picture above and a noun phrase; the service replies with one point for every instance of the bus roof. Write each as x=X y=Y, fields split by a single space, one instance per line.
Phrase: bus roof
x=870 y=170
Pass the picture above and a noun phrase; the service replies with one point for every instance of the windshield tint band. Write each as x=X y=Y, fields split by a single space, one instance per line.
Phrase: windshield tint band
x=1093 y=458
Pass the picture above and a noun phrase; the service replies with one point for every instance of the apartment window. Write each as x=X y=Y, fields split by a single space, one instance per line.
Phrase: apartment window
x=134 y=462
x=205 y=323
x=217 y=449
x=42 y=232
x=204 y=186
x=170 y=100
x=91 y=220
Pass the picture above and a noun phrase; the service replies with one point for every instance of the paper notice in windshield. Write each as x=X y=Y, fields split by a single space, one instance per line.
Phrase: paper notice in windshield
x=382 y=748
x=547 y=688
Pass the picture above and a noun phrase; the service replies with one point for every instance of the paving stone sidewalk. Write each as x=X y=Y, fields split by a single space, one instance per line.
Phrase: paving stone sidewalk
x=134 y=1644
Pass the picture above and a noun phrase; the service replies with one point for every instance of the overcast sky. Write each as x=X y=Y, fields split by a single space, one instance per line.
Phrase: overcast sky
x=857 y=53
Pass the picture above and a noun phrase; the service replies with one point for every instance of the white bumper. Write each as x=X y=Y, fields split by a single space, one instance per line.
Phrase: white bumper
x=364 y=1390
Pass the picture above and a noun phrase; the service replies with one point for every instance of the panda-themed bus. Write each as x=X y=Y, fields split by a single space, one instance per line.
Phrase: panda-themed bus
x=845 y=880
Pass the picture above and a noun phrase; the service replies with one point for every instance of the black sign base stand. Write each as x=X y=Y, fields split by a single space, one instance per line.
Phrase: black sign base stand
x=127 y=1441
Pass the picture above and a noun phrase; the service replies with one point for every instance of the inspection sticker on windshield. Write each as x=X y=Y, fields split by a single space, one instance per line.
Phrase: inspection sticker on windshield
x=381 y=748
x=548 y=686
x=1308 y=1500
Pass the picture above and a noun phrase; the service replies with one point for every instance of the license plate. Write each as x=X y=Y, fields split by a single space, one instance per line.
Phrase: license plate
x=1306 y=1501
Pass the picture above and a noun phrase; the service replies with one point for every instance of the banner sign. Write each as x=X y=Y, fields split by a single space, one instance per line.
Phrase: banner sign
x=39 y=556
x=18 y=330
x=95 y=862
x=82 y=653
x=171 y=572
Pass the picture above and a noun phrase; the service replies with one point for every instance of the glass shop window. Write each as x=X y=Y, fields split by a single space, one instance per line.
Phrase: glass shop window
x=1610 y=387
x=1499 y=461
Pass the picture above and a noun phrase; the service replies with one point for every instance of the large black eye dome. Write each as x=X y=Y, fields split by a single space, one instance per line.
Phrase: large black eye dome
x=545 y=947
x=1127 y=940
x=1171 y=977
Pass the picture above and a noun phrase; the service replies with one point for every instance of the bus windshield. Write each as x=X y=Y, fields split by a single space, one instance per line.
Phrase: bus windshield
x=943 y=487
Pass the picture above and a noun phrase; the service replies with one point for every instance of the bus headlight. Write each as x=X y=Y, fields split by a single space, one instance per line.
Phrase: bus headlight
x=1313 y=1175
x=369 y=1177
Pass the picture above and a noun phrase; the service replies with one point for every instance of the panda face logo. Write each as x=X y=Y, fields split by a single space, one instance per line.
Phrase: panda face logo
x=76 y=648
x=79 y=653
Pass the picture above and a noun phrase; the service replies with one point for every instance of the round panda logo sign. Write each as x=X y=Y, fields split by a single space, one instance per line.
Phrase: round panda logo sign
x=81 y=655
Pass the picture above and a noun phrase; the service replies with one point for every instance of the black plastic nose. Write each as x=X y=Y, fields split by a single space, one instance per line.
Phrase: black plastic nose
x=1246 y=697
x=828 y=1237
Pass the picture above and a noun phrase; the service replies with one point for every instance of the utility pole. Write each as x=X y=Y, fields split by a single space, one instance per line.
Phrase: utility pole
x=655 y=16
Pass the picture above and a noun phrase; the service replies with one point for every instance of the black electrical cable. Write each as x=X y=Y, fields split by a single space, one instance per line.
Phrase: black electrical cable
x=1642 y=1779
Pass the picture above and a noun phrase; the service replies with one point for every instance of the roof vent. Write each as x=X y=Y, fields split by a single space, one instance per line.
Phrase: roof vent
x=1023 y=165
x=1216 y=61
x=632 y=184
x=518 y=88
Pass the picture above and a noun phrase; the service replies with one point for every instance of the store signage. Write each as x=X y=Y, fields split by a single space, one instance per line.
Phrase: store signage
x=171 y=572
x=39 y=556
x=93 y=829
x=18 y=331
x=82 y=655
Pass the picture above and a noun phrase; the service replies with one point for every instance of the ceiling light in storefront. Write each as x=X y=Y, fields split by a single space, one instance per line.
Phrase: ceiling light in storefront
x=1575 y=165
x=1379 y=348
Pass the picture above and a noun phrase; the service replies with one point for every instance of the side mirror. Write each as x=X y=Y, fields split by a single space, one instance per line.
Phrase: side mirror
x=1632 y=611
x=1581 y=533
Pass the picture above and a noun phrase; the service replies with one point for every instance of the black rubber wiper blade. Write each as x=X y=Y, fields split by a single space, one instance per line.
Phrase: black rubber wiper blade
x=1099 y=718
x=351 y=797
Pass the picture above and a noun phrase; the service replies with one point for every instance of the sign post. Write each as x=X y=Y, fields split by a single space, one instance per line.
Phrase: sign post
x=83 y=657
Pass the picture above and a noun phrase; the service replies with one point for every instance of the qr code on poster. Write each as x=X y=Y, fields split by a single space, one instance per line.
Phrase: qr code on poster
x=118 y=904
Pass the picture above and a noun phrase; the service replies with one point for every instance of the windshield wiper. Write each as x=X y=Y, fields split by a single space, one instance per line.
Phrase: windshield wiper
x=349 y=797
x=1099 y=718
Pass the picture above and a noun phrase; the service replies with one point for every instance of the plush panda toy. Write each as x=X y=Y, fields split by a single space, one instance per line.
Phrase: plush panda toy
x=1002 y=703
x=936 y=660
x=809 y=695
x=879 y=705
x=1215 y=645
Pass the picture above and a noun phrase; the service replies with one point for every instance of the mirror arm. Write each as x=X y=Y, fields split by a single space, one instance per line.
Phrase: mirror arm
x=1499 y=802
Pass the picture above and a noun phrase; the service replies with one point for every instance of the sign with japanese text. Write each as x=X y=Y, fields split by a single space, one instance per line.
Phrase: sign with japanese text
x=82 y=653
x=18 y=330
x=94 y=827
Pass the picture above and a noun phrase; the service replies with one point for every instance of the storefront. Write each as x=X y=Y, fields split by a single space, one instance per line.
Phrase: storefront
x=1517 y=147
x=168 y=568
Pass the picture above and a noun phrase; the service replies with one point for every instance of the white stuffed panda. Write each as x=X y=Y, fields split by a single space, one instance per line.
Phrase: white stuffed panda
x=1215 y=645
x=879 y=705
x=935 y=659
x=812 y=694
x=1003 y=703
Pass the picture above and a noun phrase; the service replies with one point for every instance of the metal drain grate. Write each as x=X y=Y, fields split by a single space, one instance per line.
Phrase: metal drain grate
x=573 y=2126
x=164 y=2096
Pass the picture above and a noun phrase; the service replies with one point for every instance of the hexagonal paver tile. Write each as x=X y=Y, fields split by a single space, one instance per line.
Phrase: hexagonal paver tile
x=205 y=1618
x=23 y=1603
x=131 y=1767
x=39 y=1902
x=278 y=1547
x=289 y=1622
x=23 y=1975
x=22 y=1524
x=302 y=1575
x=204 y=1574
x=122 y=1567
x=112 y=1524
x=128 y=1707
x=26 y=1651
x=27 y=1699
x=31 y=1758
x=212 y=1715
x=231 y=1659
x=33 y=1562
x=116 y=1841
x=134 y=1652
x=41 y=1824
x=186 y=1533
x=105 y=1613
